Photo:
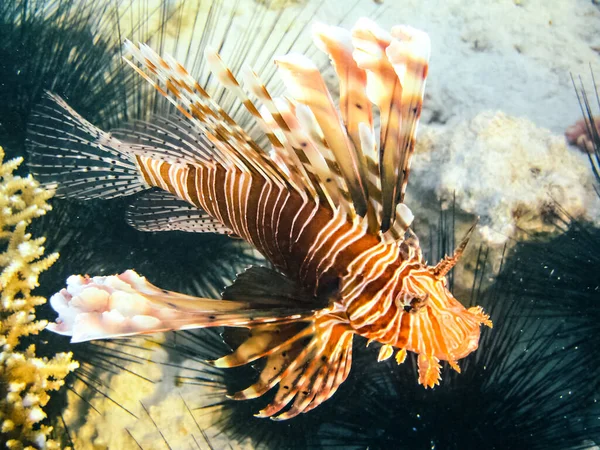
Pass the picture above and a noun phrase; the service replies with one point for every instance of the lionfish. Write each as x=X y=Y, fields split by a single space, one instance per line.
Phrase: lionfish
x=323 y=202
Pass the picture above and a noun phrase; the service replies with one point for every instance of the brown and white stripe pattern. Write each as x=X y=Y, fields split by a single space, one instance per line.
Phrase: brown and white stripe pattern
x=303 y=238
x=306 y=240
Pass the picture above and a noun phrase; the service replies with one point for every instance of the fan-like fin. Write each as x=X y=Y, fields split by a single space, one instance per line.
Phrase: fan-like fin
x=368 y=146
x=293 y=166
x=69 y=154
x=264 y=340
x=409 y=54
x=306 y=85
x=127 y=304
x=401 y=223
x=183 y=91
x=355 y=108
x=385 y=91
x=309 y=360
x=396 y=66
x=162 y=211
x=333 y=177
x=313 y=164
x=330 y=185
x=169 y=139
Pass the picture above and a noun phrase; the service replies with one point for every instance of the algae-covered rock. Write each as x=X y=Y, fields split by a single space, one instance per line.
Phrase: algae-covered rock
x=508 y=171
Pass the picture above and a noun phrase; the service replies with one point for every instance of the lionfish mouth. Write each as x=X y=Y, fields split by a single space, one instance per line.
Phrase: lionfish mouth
x=468 y=344
x=468 y=323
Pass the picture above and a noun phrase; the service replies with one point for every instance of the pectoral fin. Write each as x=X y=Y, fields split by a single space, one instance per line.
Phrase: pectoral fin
x=127 y=304
x=308 y=359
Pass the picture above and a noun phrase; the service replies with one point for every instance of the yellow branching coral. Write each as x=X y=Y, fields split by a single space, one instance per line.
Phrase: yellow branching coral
x=24 y=379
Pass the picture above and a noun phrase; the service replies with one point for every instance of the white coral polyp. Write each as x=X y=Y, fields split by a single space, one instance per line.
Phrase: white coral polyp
x=26 y=248
x=30 y=400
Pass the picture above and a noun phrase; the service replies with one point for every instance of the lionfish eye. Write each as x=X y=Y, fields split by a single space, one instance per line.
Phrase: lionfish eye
x=410 y=302
x=418 y=302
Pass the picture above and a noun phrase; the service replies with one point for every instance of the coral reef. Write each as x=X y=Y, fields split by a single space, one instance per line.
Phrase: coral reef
x=25 y=379
x=507 y=170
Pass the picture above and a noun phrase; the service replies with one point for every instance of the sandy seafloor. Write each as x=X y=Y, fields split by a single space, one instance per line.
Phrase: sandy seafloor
x=498 y=100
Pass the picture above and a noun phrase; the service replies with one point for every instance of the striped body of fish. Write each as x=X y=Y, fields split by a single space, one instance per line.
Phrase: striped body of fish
x=322 y=202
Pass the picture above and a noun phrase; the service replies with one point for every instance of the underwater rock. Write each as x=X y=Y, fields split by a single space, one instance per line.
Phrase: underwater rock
x=507 y=170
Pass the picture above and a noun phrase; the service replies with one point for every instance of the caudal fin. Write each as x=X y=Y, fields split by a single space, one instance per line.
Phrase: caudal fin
x=78 y=160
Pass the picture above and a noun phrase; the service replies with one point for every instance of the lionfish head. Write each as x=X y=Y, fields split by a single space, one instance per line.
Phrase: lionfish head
x=446 y=329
